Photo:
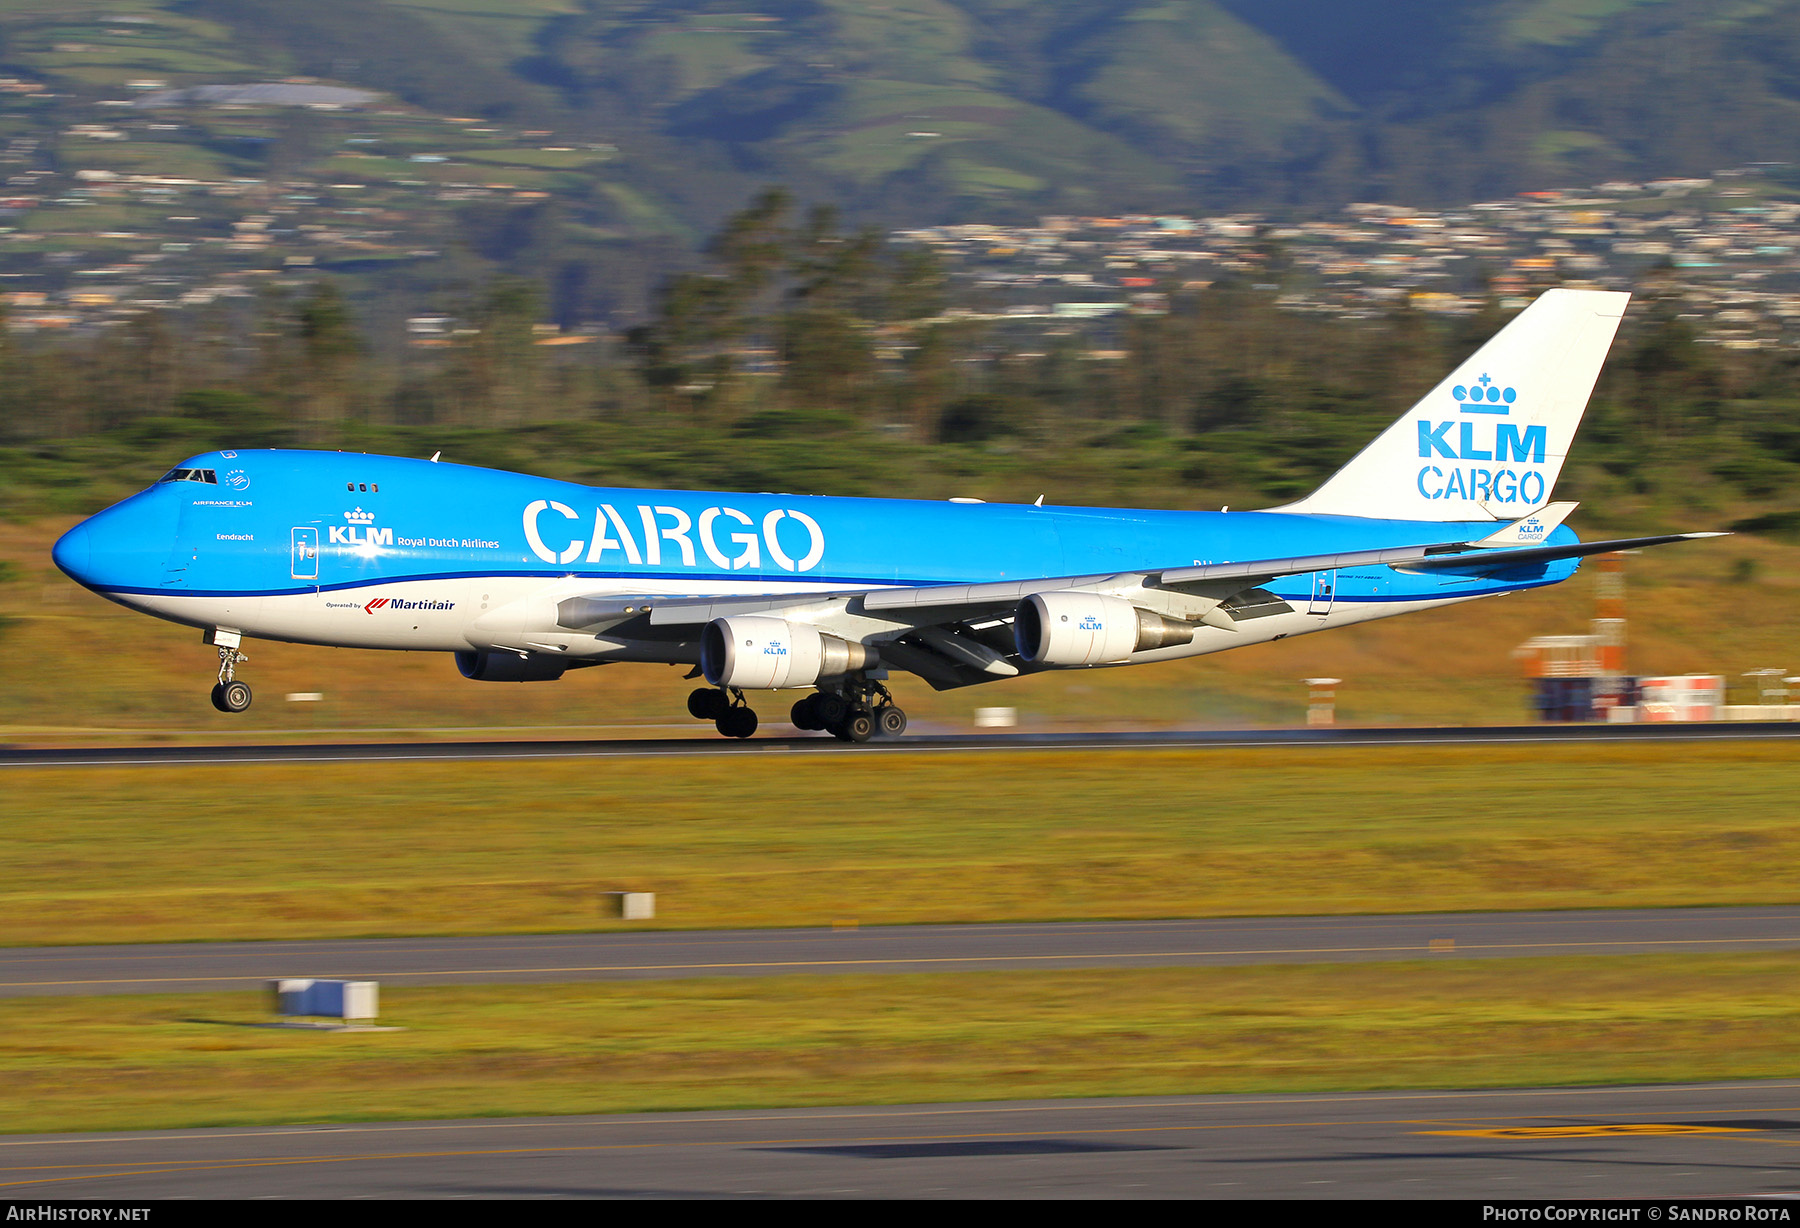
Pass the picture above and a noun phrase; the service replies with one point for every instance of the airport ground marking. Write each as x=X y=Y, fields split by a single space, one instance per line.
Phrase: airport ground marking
x=177 y=1167
x=1412 y=948
x=1592 y=1130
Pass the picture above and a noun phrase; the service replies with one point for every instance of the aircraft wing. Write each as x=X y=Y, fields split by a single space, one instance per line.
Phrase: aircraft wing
x=955 y=634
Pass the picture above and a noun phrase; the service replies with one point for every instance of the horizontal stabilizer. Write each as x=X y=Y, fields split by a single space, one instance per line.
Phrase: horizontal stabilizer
x=1487 y=562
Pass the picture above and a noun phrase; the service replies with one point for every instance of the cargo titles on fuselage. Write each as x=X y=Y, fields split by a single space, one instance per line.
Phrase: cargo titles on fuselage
x=730 y=539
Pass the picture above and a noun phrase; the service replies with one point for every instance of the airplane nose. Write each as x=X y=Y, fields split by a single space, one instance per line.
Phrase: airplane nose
x=74 y=553
x=122 y=547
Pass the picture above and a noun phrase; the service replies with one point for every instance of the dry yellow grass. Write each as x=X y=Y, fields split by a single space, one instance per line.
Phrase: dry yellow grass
x=304 y=850
x=118 y=1063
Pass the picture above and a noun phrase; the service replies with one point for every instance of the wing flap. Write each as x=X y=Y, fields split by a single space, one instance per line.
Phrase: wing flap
x=998 y=594
x=1268 y=569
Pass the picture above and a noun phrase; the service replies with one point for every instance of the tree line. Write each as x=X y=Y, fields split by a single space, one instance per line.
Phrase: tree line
x=803 y=356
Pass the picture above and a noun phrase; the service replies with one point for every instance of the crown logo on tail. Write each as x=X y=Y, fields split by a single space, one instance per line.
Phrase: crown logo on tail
x=1484 y=396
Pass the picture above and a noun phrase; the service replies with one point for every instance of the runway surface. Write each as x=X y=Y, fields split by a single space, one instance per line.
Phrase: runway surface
x=616 y=955
x=1685 y=1141
x=362 y=752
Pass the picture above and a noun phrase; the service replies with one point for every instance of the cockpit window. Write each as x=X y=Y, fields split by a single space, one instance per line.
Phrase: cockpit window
x=209 y=476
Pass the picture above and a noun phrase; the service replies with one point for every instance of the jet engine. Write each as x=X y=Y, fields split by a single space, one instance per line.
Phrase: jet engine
x=1070 y=628
x=510 y=666
x=764 y=654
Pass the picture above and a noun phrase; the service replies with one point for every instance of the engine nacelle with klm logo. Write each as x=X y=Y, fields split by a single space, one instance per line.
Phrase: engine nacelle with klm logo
x=757 y=653
x=1070 y=628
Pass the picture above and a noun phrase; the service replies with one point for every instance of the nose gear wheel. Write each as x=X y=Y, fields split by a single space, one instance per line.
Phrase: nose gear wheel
x=230 y=695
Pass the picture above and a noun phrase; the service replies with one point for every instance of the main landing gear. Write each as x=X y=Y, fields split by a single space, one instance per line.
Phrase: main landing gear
x=863 y=709
x=860 y=710
x=230 y=695
x=725 y=709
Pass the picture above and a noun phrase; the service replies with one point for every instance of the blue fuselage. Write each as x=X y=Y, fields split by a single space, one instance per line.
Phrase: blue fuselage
x=279 y=523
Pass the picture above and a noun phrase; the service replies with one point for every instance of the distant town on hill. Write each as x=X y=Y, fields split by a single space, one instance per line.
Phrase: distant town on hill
x=848 y=235
x=419 y=150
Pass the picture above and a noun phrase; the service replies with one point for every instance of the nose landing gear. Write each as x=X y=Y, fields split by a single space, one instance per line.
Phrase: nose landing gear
x=230 y=695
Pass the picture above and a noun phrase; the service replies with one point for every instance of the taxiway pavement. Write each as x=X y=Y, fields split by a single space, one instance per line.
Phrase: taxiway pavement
x=1718 y=1140
x=626 y=955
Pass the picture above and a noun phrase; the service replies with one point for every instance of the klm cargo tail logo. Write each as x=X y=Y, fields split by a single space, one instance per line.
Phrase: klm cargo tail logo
x=1476 y=434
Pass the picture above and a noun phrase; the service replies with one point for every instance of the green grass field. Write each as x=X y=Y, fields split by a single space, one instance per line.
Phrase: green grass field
x=265 y=851
x=166 y=1061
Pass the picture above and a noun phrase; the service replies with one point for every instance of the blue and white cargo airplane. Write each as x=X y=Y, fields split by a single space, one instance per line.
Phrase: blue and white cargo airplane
x=523 y=578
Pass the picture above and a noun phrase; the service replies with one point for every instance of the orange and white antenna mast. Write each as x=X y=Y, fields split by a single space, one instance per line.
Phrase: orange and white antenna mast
x=1609 y=615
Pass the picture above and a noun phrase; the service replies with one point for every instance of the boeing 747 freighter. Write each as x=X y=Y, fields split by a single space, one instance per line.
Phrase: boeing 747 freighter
x=523 y=578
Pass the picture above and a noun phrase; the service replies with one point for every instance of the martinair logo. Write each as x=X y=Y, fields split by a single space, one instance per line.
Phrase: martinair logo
x=1468 y=438
x=401 y=603
x=360 y=531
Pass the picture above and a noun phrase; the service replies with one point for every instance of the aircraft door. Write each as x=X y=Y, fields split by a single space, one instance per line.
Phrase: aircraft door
x=1324 y=587
x=305 y=554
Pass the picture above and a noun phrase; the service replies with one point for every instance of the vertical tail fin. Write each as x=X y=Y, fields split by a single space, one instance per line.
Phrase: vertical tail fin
x=1489 y=441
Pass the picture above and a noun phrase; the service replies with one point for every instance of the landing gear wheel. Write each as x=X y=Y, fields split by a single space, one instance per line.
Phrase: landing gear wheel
x=707 y=703
x=830 y=710
x=737 y=722
x=890 y=722
x=805 y=714
x=859 y=726
x=231 y=696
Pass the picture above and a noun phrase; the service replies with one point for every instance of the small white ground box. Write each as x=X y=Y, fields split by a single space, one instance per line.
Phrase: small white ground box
x=348 y=1000
x=631 y=905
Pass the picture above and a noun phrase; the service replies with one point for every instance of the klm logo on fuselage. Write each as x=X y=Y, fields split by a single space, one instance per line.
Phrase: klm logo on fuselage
x=361 y=531
x=1481 y=436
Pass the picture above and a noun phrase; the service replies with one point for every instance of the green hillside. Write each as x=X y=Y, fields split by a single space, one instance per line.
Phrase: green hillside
x=934 y=110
